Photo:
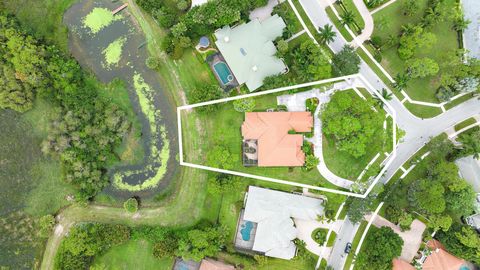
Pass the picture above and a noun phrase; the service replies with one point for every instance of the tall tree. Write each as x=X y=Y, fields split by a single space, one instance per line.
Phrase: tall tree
x=346 y=62
x=327 y=34
x=380 y=248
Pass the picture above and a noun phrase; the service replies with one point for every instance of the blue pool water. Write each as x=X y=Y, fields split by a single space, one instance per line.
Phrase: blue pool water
x=223 y=72
x=464 y=267
x=245 y=231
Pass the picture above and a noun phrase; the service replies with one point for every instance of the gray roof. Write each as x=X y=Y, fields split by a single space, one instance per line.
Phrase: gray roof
x=249 y=50
x=273 y=212
x=474 y=221
x=471 y=35
x=470 y=171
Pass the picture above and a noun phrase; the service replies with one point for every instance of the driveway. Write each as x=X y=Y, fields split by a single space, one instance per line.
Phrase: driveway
x=306 y=227
x=296 y=102
x=411 y=238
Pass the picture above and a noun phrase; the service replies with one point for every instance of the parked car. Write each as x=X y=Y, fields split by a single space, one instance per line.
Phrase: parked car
x=348 y=247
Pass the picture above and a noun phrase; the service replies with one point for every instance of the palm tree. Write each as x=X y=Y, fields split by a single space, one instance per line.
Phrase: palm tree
x=461 y=24
x=392 y=40
x=327 y=34
x=408 y=29
x=385 y=95
x=347 y=18
x=401 y=81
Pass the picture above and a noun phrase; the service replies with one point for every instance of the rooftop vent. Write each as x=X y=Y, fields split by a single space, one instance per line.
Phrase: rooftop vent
x=226 y=39
x=242 y=50
x=254 y=68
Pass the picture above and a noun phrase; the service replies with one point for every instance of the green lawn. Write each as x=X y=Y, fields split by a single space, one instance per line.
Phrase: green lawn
x=135 y=254
x=422 y=111
x=390 y=21
x=466 y=123
x=343 y=31
x=290 y=18
x=350 y=6
x=223 y=126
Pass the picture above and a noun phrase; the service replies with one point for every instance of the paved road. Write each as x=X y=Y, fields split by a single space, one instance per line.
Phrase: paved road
x=418 y=131
x=347 y=233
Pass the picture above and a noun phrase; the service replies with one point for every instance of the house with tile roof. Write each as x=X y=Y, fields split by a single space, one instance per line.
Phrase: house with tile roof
x=268 y=140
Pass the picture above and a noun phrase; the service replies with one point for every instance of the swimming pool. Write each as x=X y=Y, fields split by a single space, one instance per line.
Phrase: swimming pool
x=223 y=72
x=464 y=267
x=246 y=230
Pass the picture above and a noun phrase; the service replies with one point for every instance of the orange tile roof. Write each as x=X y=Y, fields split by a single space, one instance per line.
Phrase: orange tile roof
x=275 y=146
x=399 y=264
x=441 y=259
x=208 y=264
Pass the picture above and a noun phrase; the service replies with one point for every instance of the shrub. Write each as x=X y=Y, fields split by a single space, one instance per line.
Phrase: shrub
x=131 y=205
x=46 y=224
x=152 y=62
x=320 y=235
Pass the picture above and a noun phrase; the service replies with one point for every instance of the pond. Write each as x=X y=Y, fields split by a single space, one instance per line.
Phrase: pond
x=111 y=46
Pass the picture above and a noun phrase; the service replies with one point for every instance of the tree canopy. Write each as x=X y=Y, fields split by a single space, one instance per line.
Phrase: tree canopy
x=351 y=122
x=381 y=246
x=310 y=62
x=346 y=62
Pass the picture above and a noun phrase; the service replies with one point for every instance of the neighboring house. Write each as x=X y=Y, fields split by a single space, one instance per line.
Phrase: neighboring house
x=205 y=264
x=266 y=138
x=399 y=264
x=469 y=168
x=471 y=36
x=474 y=221
x=440 y=259
x=210 y=264
x=266 y=224
x=249 y=51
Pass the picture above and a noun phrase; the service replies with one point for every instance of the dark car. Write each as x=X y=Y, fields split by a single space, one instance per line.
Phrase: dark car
x=348 y=247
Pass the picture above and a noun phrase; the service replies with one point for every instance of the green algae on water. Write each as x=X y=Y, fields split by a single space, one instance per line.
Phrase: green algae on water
x=99 y=18
x=158 y=159
x=113 y=52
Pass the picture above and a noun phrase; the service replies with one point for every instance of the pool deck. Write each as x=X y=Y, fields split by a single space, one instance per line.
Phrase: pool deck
x=239 y=242
x=214 y=59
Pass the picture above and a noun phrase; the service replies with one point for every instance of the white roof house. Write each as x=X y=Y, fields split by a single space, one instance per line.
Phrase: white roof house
x=470 y=171
x=249 y=51
x=471 y=36
x=273 y=212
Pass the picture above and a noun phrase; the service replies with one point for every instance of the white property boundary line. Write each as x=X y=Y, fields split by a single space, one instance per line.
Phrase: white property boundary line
x=369 y=87
x=365 y=233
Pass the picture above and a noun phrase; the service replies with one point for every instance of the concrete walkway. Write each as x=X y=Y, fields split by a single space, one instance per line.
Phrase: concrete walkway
x=305 y=229
x=411 y=238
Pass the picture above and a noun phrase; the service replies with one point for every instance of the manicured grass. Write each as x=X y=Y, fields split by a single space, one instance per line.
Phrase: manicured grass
x=460 y=100
x=421 y=89
x=223 y=126
x=422 y=111
x=345 y=165
x=311 y=27
x=135 y=254
x=343 y=31
x=350 y=6
x=466 y=123
x=43 y=18
x=293 y=23
x=331 y=239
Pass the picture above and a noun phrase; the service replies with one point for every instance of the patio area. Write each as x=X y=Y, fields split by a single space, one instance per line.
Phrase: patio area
x=250 y=154
x=245 y=235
